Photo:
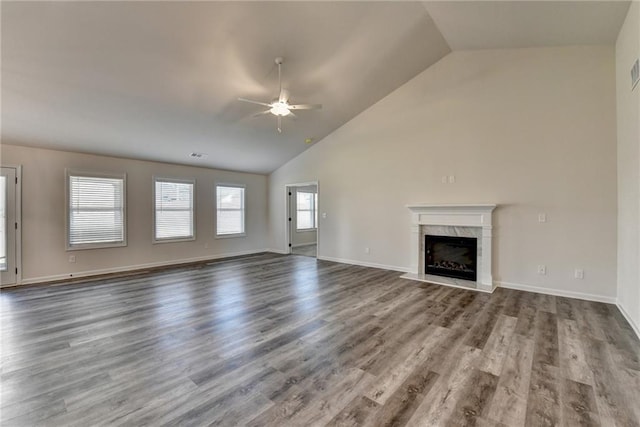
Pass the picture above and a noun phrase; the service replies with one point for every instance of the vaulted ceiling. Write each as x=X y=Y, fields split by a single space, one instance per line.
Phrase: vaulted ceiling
x=159 y=80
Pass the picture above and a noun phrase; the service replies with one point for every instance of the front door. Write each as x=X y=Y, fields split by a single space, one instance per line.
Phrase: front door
x=8 y=225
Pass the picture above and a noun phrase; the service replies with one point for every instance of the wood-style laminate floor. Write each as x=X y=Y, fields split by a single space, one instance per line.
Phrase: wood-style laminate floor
x=274 y=340
x=305 y=250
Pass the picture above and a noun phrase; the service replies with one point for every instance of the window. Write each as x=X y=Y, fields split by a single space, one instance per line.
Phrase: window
x=229 y=210
x=174 y=218
x=307 y=211
x=96 y=214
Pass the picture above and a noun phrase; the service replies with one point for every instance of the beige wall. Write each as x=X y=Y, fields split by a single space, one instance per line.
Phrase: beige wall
x=628 y=114
x=532 y=130
x=43 y=214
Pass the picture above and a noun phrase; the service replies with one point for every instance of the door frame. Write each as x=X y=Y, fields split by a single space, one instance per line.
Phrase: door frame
x=18 y=214
x=287 y=212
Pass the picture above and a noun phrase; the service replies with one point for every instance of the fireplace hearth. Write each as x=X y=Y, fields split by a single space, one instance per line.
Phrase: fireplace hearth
x=451 y=256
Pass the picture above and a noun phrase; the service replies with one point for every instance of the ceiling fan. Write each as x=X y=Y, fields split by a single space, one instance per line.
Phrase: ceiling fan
x=280 y=106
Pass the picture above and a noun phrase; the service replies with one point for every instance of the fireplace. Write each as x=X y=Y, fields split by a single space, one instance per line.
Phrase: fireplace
x=471 y=266
x=451 y=256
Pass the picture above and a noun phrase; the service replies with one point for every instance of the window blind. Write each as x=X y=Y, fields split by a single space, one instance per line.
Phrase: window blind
x=229 y=210
x=305 y=210
x=174 y=210
x=96 y=210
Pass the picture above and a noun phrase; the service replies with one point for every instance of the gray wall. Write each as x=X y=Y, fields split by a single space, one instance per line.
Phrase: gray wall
x=628 y=113
x=533 y=130
x=43 y=214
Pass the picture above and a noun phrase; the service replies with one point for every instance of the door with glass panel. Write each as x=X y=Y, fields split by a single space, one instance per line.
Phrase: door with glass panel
x=8 y=226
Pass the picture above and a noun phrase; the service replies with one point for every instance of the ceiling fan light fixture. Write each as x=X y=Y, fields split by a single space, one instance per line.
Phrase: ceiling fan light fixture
x=280 y=106
x=280 y=109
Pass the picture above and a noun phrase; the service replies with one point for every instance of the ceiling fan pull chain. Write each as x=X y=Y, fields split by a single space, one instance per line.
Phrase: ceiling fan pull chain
x=280 y=80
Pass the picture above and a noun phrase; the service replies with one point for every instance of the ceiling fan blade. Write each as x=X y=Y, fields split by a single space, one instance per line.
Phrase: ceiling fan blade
x=261 y=113
x=305 y=107
x=254 y=102
x=293 y=116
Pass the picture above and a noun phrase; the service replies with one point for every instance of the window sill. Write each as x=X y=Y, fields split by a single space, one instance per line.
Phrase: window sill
x=304 y=230
x=175 y=240
x=96 y=246
x=230 y=236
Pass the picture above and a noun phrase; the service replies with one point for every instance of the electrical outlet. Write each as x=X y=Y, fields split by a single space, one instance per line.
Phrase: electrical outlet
x=578 y=273
x=72 y=258
x=367 y=250
x=444 y=179
x=542 y=269
x=324 y=215
x=452 y=179
x=542 y=217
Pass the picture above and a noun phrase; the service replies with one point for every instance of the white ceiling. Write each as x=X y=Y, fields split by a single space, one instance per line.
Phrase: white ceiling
x=158 y=80
x=513 y=24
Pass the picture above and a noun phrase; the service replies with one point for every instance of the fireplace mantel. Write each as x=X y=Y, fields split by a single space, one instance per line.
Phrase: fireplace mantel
x=451 y=220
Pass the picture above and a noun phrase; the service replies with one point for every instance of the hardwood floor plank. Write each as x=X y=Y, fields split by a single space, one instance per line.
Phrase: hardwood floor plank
x=526 y=321
x=579 y=404
x=546 y=339
x=481 y=330
x=360 y=411
x=573 y=361
x=614 y=403
x=401 y=405
x=440 y=402
x=331 y=402
x=509 y=405
x=272 y=340
x=543 y=403
x=497 y=345
x=434 y=350
x=474 y=402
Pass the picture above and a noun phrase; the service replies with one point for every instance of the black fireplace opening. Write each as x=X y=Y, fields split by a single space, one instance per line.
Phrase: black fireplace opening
x=450 y=256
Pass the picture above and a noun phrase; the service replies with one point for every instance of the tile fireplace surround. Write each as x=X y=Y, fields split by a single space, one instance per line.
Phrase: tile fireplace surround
x=452 y=220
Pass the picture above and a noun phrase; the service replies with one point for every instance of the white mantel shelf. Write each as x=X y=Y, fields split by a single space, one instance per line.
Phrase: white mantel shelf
x=448 y=216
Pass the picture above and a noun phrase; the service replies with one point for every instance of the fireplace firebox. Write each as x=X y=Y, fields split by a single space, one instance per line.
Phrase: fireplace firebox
x=451 y=256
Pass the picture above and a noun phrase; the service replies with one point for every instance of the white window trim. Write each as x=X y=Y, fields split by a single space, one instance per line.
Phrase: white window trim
x=67 y=187
x=306 y=230
x=244 y=210
x=153 y=201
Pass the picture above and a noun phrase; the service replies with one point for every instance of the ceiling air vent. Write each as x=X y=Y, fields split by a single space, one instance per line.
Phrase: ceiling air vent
x=197 y=156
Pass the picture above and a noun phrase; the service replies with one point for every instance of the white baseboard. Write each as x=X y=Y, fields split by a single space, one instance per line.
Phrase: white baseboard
x=277 y=251
x=558 y=293
x=90 y=273
x=303 y=244
x=626 y=315
x=365 y=264
x=508 y=285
